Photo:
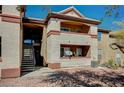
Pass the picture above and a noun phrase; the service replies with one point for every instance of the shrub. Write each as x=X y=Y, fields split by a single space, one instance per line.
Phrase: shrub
x=112 y=64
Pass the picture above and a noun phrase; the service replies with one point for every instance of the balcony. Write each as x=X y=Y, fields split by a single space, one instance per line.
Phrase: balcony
x=74 y=27
x=75 y=39
x=75 y=51
x=74 y=33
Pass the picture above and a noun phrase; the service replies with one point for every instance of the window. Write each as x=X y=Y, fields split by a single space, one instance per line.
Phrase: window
x=0 y=46
x=99 y=36
x=28 y=42
x=99 y=54
x=65 y=52
x=79 y=51
x=0 y=8
x=118 y=58
x=74 y=51
x=62 y=51
x=64 y=29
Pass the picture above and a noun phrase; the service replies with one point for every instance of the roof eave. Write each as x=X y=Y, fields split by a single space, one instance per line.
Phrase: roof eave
x=66 y=17
x=103 y=30
x=35 y=21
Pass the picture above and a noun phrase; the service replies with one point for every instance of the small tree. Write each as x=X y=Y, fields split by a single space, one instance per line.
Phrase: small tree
x=119 y=36
x=110 y=11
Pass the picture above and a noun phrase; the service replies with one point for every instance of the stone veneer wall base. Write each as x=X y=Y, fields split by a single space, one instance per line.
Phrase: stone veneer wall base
x=54 y=65
x=10 y=73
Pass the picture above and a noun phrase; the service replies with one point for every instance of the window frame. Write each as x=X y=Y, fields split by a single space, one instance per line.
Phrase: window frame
x=99 y=36
x=74 y=51
x=118 y=58
x=64 y=49
x=79 y=52
x=99 y=54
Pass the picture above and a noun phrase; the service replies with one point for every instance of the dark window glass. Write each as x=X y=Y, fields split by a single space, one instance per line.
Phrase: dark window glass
x=74 y=51
x=0 y=8
x=99 y=36
x=64 y=29
x=79 y=51
x=62 y=52
x=65 y=51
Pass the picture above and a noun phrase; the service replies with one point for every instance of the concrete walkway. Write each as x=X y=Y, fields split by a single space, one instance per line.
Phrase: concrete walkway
x=43 y=71
x=73 y=77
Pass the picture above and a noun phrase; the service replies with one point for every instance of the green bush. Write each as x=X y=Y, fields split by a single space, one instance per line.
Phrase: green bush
x=112 y=64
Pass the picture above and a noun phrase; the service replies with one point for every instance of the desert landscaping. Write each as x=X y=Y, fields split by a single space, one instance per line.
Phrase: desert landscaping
x=71 y=77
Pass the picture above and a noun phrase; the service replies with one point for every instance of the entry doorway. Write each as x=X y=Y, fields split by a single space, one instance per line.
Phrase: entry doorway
x=32 y=39
x=36 y=49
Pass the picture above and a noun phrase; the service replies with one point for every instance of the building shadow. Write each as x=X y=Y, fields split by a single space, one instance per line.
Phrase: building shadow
x=85 y=79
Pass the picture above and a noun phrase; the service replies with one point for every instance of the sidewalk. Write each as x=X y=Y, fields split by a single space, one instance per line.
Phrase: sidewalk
x=43 y=71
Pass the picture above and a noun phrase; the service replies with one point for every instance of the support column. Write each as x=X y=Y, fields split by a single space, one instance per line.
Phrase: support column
x=94 y=43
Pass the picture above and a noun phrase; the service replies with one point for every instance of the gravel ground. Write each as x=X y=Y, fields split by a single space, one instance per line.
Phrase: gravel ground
x=71 y=77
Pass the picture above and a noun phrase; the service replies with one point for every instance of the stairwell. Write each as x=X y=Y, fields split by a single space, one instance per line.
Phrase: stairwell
x=28 y=61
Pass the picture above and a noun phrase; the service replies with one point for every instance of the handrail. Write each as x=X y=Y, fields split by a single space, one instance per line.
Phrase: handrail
x=33 y=56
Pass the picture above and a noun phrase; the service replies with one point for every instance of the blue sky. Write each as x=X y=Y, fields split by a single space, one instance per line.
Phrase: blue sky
x=91 y=11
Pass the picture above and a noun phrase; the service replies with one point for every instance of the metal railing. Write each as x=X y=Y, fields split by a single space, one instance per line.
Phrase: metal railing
x=33 y=56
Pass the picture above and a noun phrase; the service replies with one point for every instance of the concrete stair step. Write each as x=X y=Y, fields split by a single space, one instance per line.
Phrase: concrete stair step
x=26 y=60
x=27 y=67
x=27 y=55
x=27 y=63
x=27 y=70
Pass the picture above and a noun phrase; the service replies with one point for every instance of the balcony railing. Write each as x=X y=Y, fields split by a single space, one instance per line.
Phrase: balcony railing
x=65 y=29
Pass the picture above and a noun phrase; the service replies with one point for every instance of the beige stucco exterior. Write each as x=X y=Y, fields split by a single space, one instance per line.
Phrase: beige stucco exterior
x=10 y=45
x=107 y=52
x=0 y=67
x=10 y=35
x=72 y=13
x=104 y=46
x=54 y=42
x=44 y=46
x=10 y=9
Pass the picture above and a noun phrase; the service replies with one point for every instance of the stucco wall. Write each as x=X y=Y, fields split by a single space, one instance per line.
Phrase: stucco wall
x=75 y=62
x=107 y=52
x=94 y=43
x=53 y=49
x=54 y=42
x=10 y=9
x=104 y=45
x=94 y=49
x=75 y=39
x=53 y=24
x=93 y=29
x=0 y=62
x=44 y=45
x=10 y=34
x=72 y=13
